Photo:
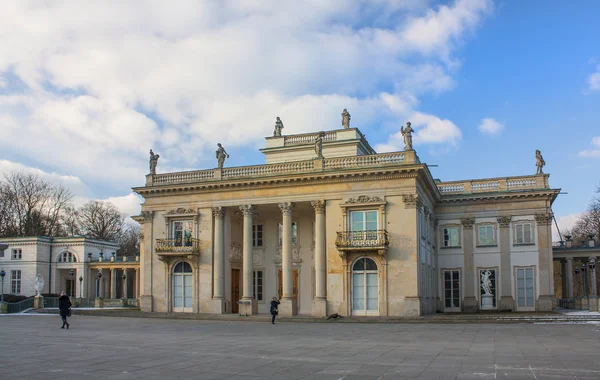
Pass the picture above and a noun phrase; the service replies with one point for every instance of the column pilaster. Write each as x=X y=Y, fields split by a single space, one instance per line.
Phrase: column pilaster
x=470 y=303
x=545 y=270
x=218 y=301
x=288 y=303
x=125 y=287
x=113 y=283
x=248 y=305
x=506 y=299
x=319 y=305
x=593 y=298
x=569 y=277
x=146 y=220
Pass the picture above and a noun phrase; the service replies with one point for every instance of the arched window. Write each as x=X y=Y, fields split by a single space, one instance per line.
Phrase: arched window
x=365 y=287
x=67 y=257
x=182 y=287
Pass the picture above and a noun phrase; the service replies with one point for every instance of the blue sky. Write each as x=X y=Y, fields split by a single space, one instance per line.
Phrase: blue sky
x=83 y=98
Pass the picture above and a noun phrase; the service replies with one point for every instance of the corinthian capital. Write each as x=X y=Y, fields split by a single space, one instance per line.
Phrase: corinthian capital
x=467 y=222
x=504 y=221
x=286 y=208
x=410 y=200
x=218 y=212
x=247 y=210
x=543 y=218
x=319 y=206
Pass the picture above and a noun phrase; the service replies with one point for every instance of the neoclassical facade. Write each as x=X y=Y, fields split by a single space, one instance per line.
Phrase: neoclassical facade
x=330 y=226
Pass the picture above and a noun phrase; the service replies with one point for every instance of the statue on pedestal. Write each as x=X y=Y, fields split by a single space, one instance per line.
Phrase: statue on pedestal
x=278 y=127
x=486 y=283
x=38 y=284
x=153 y=162
x=345 y=119
x=539 y=162
x=407 y=134
x=221 y=155
x=319 y=144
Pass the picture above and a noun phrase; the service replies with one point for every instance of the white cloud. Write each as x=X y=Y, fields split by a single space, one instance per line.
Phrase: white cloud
x=594 y=80
x=565 y=222
x=490 y=126
x=595 y=152
x=99 y=91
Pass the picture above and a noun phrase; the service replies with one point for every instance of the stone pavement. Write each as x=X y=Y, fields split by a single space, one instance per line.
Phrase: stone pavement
x=34 y=347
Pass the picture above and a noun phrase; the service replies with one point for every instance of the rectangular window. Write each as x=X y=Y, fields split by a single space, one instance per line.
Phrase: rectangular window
x=17 y=254
x=257 y=235
x=523 y=233
x=15 y=277
x=257 y=280
x=486 y=235
x=182 y=233
x=294 y=234
x=451 y=237
x=452 y=290
x=364 y=225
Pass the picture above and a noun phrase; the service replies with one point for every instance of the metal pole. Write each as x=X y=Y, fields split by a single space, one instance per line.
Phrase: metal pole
x=2 y=295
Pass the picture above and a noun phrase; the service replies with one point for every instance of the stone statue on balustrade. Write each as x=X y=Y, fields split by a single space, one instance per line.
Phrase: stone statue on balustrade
x=278 y=127
x=345 y=119
x=38 y=284
x=221 y=155
x=319 y=144
x=407 y=134
x=153 y=162
x=539 y=162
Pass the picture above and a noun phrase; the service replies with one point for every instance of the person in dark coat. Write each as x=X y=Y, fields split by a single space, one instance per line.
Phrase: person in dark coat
x=64 y=306
x=274 y=309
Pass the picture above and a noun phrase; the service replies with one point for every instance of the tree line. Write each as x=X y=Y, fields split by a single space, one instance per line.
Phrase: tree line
x=31 y=206
x=588 y=223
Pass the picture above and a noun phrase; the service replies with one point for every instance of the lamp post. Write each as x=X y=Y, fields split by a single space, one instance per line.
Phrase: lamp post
x=124 y=285
x=71 y=274
x=98 y=277
x=2 y=274
x=81 y=286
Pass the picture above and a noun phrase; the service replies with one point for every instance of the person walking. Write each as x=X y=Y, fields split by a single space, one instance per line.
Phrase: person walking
x=274 y=309
x=64 y=307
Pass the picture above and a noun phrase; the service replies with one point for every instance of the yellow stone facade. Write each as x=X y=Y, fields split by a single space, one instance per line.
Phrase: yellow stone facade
x=351 y=232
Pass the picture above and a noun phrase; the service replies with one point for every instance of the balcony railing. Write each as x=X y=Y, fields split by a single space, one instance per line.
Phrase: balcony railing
x=177 y=246
x=376 y=240
x=494 y=184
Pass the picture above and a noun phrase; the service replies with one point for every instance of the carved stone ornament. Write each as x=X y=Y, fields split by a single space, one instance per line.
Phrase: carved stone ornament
x=147 y=215
x=410 y=200
x=286 y=208
x=543 y=219
x=218 y=212
x=247 y=210
x=296 y=255
x=319 y=206
x=181 y=210
x=258 y=255
x=467 y=222
x=364 y=199
x=235 y=251
x=504 y=221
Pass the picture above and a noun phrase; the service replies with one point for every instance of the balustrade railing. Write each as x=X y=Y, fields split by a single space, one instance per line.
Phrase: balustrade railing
x=376 y=239
x=369 y=160
x=183 y=177
x=265 y=170
x=308 y=138
x=496 y=184
x=177 y=245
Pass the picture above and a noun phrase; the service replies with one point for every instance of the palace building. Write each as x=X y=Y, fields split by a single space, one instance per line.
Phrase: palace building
x=330 y=226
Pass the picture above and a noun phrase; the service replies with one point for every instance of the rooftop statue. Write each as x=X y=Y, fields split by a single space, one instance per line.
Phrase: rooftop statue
x=153 y=162
x=278 y=127
x=221 y=155
x=319 y=144
x=346 y=119
x=407 y=134
x=539 y=162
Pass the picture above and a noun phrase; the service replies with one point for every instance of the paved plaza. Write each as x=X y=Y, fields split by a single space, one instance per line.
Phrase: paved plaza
x=34 y=347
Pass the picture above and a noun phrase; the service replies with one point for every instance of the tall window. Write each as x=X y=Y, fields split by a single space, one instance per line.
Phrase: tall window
x=363 y=225
x=257 y=280
x=486 y=235
x=294 y=234
x=257 y=235
x=451 y=237
x=15 y=286
x=67 y=257
x=523 y=233
x=17 y=254
x=182 y=233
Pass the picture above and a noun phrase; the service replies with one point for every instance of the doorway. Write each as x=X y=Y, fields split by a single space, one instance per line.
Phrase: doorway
x=235 y=290
x=452 y=290
x=70 y=288
x=525 y=289
x=182 y=288
x=294 y=287
x=365 y=287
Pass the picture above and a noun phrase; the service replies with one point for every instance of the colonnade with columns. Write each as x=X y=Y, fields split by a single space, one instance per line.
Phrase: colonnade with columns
x=103 y=282
x=587 y=296
x=248 y=304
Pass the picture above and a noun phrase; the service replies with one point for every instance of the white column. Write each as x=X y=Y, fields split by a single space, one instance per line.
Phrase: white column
x=288 y=304
x=320 y=301
x=113 y=283
x=569 y=277
x=248 y=288
x=125 y=283
x=219 y=262
x=593 y=291
x=136 y=283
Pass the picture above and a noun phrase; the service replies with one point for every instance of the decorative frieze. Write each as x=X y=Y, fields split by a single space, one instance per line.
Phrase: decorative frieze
x=296 y=255
x=543 y=219
x=364 y=199
x=182 y=211
x=504 y=221
x=218 y=212
x=319 y=206
x=286 y=208
x=467 y=223
x=410 y=200
x=235 y=252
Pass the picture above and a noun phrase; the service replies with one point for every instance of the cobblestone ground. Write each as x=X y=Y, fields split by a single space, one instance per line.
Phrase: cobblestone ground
x=34 y=347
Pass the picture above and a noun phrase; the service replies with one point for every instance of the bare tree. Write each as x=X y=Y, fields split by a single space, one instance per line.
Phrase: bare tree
x=101 y=220
x=589 y=222
x=129 y=242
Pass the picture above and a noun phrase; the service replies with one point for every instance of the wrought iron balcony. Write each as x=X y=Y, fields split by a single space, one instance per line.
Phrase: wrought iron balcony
x=178 y=246
x=369 y=240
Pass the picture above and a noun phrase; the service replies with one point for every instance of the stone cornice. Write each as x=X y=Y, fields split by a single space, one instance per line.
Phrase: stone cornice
x=546 y=195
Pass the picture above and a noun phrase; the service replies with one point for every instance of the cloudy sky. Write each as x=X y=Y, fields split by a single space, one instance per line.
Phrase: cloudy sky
x=87 y=88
